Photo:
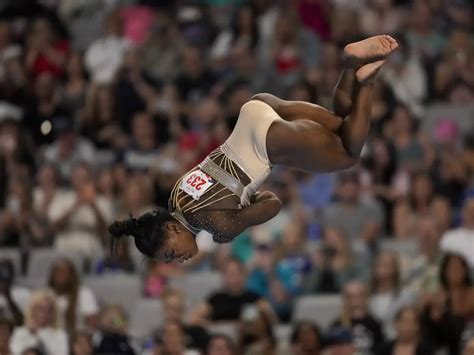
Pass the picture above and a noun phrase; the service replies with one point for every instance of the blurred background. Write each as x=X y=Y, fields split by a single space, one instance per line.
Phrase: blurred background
x=105 y=103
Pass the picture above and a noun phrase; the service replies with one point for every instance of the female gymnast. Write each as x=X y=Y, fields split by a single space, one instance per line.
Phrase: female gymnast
x=220 y=194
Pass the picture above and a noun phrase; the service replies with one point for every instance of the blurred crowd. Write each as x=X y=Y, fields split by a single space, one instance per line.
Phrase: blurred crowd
x=105 y=103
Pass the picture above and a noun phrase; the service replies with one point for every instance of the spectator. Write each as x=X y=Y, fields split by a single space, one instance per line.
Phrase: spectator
x=74 y=90
x=243 y=33
x=335 y=264
x=408 y=340
x=143 y=151
x=366 y=330
x=227 y=304
x=381 y=17
x=41 y=327
x=112 y=336
x=220 y=344
x=156 y=277
x=13 y=299
x=461 y=240
x=69 y=149
x=256 y=332
x=340 y=342
x=23 y=222
x=45 y=52
x=172 y=340
x=104 y=56
x=271 y=282
x=292 y=258
x=387 y=296
x=80 y=216
x=98 y=121
x=81 y=344
x=421 y=274
x=174 y=306
x=116 y=261
x=6 y=330
x=306 y=339
x=446 y=314
x=359 y=221
x=421 y=200
x=77 y=305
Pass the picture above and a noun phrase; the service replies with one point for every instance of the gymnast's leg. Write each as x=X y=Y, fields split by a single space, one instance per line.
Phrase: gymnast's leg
x=315 y=139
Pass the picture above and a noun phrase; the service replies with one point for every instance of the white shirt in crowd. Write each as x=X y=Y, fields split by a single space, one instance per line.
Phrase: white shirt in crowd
x=104 y=58
x=80 y=234
x=53 y=340
x=86 y=306
x=21 y=297
x=460 y=241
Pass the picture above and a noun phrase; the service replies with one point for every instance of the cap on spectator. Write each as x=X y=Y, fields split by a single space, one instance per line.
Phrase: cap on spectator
x=338 y=336
x=9 y=112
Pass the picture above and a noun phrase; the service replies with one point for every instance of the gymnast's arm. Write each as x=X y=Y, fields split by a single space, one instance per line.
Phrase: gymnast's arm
x=293 y=110
x=265 y=205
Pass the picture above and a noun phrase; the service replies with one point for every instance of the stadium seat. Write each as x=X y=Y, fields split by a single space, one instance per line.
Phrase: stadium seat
x=229 y=329
x=40 y=261
x=319 y=309
x=201 y=283
x=13 y=254
x=119 y=289
x=403 y=247
x=146 y=316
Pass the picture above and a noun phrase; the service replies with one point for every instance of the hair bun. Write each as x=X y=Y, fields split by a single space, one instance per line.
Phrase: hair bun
x=125 y=227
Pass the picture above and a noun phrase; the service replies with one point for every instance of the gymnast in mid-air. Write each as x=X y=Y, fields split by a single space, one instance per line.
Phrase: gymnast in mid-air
x=221 y=195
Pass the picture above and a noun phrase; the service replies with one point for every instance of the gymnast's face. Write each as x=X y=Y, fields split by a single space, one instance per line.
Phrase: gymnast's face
x=179 y=244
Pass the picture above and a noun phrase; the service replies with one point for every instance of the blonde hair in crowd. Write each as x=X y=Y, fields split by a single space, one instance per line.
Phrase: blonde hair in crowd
x=37 y=297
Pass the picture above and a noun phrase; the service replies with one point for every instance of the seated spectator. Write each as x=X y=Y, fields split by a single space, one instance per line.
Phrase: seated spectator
x=173 y=304
x=408 y=338
x=271 y=282
x=157 y=275
x=340 y=342
x=256 y=332
x=112 y=337
x=116 y=261
x=292 y=256
x=77 y=305
x=41 y=327
x=359 y=221
x=29 y=227
x=447 y=312
x=13 y=299
x=421 y=274
x=421 y=200
x=104 y=56
x=6 y=330
x=335 y=263
x=69 y=148
x=80 y=216
x=74 y=89
x=227 y=304
x=366 y=331
x=460 y=240
x=45 y=52
x=220 y=344
x=81 y=344
x=143 y=150
x=98 y=121
x=306 y=339
x=387 y=296
x=171 y=340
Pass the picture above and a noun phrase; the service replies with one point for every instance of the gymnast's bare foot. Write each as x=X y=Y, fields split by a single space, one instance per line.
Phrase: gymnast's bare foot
x=369 y=50
x=366 y=73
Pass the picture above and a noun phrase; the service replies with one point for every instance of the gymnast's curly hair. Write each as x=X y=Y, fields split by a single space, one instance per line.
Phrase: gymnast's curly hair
x=147 y=230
